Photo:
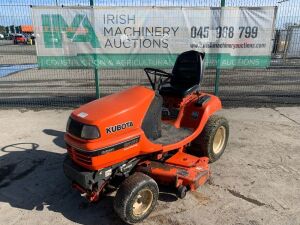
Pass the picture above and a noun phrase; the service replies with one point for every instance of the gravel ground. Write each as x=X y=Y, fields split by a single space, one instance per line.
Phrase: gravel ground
x=256 y=182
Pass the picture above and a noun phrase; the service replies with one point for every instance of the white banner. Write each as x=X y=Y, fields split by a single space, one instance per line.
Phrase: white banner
x=136 y=37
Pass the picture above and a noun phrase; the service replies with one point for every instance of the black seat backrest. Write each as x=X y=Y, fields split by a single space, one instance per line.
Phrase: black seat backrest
x=188 y=69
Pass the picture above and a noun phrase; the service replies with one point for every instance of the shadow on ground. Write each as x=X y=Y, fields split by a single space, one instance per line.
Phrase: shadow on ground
x=58 y=137
x=33 y=179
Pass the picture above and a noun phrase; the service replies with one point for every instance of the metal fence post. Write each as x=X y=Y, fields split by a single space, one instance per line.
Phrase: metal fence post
x=218 y=69
x=96 y=71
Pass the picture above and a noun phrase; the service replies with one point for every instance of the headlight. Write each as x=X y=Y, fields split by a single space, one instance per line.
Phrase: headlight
x=89 y=132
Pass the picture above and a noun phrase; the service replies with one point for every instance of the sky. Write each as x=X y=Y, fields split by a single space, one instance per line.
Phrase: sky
x=18 y=12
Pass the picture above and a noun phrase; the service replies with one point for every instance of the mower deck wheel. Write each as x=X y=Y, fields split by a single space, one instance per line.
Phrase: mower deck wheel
x=213 y=139
x=136 y=198
x=181 y=191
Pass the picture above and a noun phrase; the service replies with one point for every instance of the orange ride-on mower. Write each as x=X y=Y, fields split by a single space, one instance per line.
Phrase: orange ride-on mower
x=141 y=137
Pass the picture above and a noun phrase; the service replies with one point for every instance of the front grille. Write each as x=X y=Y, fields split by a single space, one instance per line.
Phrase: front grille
x=75 y=128
x=79 y=156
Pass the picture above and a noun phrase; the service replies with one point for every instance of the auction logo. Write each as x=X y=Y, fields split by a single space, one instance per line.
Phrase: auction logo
x=80 y=30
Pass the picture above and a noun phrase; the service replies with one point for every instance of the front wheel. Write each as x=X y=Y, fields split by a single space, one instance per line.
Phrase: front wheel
x=213 y=139
x=136 y=198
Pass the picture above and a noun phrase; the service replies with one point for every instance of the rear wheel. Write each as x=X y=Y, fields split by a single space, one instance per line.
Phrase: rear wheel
x=213 y=139
x=136 y=198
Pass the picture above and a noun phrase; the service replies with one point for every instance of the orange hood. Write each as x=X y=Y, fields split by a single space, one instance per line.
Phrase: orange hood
x=130 y=106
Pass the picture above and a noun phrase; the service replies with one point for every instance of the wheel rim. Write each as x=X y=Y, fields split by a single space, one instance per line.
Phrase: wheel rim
x=142 y=202
x=219 y=139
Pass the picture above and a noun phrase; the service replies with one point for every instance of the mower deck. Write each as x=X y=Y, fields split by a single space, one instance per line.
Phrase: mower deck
x=181 y=169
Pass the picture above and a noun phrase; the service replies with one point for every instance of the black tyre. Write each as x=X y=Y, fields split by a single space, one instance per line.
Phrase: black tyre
x=181 y=192
x=136 y=198
x=213 y=139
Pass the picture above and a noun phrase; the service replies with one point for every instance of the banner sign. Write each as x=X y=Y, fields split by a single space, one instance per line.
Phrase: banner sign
x=138 y=37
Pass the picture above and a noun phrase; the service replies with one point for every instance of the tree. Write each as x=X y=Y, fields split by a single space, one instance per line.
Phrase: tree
x=2 y=29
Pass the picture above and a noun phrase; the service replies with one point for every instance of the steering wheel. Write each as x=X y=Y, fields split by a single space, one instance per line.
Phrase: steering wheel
x=160 y=77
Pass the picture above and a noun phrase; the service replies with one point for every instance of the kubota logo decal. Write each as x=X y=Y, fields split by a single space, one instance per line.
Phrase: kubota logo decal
x=118 y=127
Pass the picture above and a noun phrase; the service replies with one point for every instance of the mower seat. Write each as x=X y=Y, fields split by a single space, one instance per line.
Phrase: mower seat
x=186 y=76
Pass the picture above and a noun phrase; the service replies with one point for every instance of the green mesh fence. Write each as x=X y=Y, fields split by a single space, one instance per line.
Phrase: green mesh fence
x=22 y=84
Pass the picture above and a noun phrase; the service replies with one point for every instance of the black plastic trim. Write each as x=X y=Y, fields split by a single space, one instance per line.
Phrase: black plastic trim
x=202 y=100
x=108 y=149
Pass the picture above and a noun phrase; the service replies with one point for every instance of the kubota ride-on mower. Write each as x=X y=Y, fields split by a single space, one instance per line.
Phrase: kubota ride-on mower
x=138 y=138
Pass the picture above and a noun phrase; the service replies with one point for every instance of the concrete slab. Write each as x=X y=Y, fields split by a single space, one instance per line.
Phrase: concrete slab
x=256 y=182
x=292 y=114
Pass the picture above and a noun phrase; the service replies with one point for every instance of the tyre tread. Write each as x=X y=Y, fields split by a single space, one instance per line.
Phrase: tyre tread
x=206 y=139
x=129 y=187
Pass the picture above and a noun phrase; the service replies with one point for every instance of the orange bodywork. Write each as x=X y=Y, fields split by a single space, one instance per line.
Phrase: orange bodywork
x=26 y=29
x=181 y=169
x=131 y=105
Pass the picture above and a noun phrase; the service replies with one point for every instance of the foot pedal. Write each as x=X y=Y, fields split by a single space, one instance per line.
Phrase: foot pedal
x=165 y=113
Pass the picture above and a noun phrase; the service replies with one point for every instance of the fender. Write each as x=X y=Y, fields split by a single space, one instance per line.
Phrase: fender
x=206 y=111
